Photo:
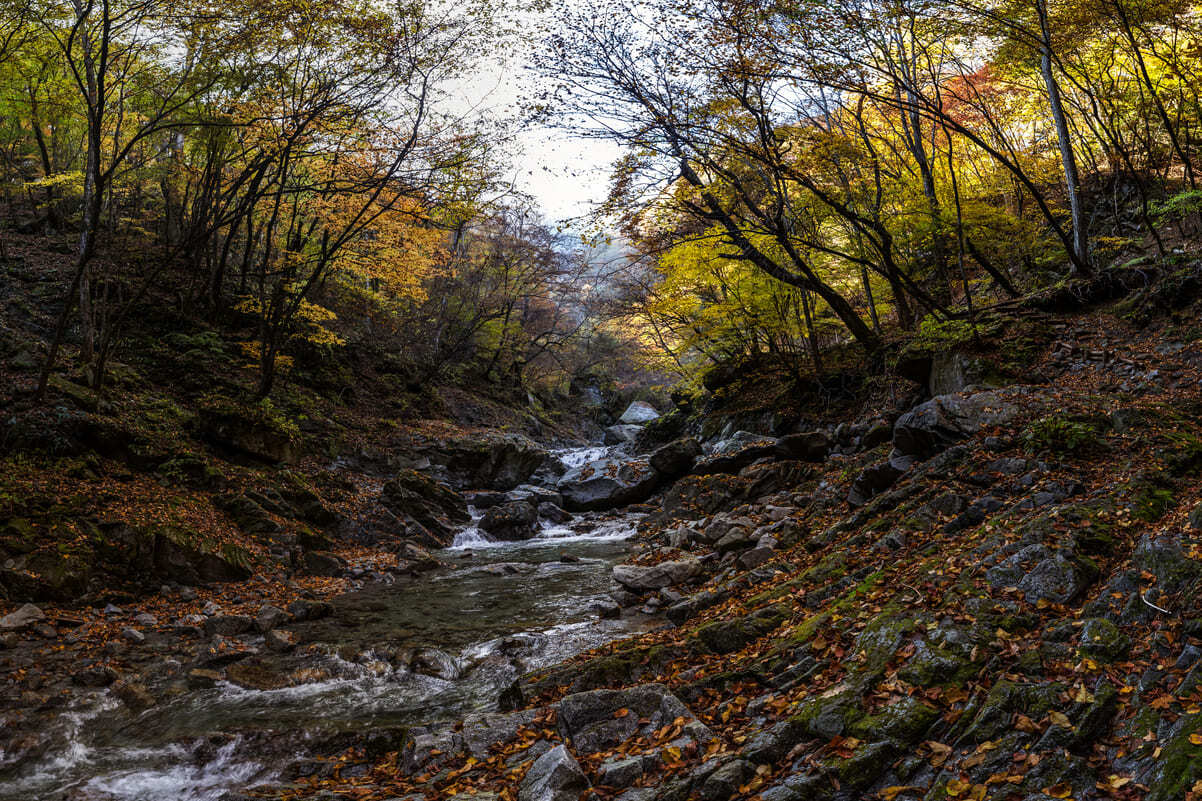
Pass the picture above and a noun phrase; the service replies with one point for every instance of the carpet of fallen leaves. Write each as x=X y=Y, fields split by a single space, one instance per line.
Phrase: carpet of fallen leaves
x=906 y=581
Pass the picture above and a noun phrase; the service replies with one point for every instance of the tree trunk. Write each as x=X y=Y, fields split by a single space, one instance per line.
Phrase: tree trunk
x=1080 y=244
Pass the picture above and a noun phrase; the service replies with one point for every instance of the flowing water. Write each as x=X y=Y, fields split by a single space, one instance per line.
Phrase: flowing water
x=499 y=610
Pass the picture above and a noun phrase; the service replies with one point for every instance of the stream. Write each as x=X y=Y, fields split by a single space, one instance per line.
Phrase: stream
x=497 y=611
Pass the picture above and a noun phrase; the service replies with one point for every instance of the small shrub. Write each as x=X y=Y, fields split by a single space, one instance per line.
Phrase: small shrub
x=1060 y=435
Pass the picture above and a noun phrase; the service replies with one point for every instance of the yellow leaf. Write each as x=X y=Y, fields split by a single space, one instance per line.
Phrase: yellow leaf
x=890 y=793
x=1060 y=719
x=1196 y=738
x=955 y=787
x=1062 y=790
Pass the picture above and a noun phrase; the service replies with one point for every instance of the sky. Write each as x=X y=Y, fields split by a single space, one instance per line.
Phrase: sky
x=566 y=175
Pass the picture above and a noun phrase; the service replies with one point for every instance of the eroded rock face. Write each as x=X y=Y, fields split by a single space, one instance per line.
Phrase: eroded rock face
x=437 y=508
x=487 y=460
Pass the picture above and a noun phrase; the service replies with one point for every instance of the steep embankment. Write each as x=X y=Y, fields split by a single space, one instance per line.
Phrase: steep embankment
x=1008 y=608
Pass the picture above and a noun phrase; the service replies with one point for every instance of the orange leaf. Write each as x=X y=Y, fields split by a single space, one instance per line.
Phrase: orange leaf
x=1061 y=790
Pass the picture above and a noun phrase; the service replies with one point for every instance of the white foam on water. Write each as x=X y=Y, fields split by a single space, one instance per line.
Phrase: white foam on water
x=179 y=781
x=578 y=457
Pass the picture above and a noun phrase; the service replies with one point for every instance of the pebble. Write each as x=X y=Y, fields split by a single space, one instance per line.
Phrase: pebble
x=146 y=619
x=133 y=635
x=211 y=609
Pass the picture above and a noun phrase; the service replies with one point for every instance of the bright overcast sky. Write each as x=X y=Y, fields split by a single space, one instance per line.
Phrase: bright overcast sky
x=567 y=176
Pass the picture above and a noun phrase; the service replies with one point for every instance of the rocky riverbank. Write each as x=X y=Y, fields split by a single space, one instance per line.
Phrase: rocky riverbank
x=993 y=594
x=990 y=593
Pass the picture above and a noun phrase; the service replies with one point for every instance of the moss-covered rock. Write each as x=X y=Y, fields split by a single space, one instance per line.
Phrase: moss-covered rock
x=727 y=636
x=865 y=766
x=830 y=714
x=259 y=431
x=1180 y=762
x=905 y=721
x=1103 y=641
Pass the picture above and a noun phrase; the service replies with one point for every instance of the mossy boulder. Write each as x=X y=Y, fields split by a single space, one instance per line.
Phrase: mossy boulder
x=933 y=665
x=991 y=718
x=905 y=721
x=865 y=766
x=189 y=470
x=830 y=714
x=258 y=432
x=1103 y=641
x=64 y=573
x=1180 y=763
x=18 y=536
x=728 y=636
x=878 y=643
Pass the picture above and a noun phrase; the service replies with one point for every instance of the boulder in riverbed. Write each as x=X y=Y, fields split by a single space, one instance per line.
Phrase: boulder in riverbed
x=26 y=616
x=641 y=578
x=621 y=433
x=608 y=484
x=677 y=457
x=436 y=663
x=511 y=521
x=638 y=413
x=553 y=513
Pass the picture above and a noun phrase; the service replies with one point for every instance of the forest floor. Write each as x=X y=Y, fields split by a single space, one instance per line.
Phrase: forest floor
x=1017 y=617
x=995 y=596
